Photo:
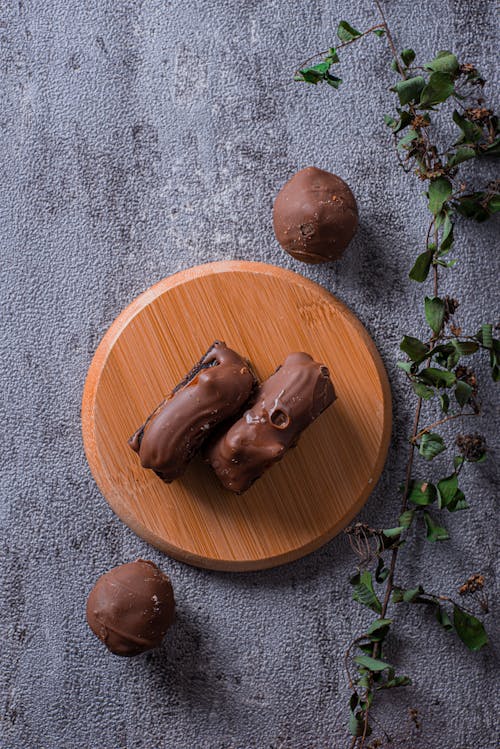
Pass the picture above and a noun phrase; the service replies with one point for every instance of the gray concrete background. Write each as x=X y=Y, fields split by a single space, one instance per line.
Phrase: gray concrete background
x=139 y=138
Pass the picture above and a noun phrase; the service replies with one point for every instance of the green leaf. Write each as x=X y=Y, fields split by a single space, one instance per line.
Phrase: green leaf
x=463 y=153
x=431 y=445
x=393 y=532
x=379 y=32
x=312 y=75
x=435 y=532
x=493 y=150
x=332 y=56
x=495 y=360
x=458 y=460
x=464 y=348
x=410 y=136
x=381 y=572
x=332 y=80
x=444 y=401
x=443 y=618
x=434 y=313
x=414 y=348
x=452 y=359
x=471 y=133
x=406 y=366
x=444 y=62
x=440 y=190
x=458 y=502
x=421 y=268
x=377 y=631
x=406 y=518
x=372 y=664
x=397 y=681
x=438 y=89
x=437 y=377
x=447 y=236
x=463 y=392
x=494 y=204
x=470 y=630
x=404 y=120
x=346 y=32
x=422 y=390
x=365 y=594
x=473 y=205
x=447 y=488
x=407 y=55
x=412 y=595
x=366 y=647
x=321 y=67
x=487 y=335
x=319 y=72
x=397 y=595
x=364 y=680
x=422 y=493
x=356 y=724
x=353 y=701
x=409 y=89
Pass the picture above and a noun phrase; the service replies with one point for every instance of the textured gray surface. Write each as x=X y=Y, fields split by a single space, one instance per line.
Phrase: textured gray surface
x=139 y=138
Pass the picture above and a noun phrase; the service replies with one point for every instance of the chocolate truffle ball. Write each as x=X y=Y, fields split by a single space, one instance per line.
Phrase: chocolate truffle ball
x=131 y=607
x=315 y=216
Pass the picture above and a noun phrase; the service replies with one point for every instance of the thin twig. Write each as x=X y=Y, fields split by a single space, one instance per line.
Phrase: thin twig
x=390 y=39
x=442 y=421
x=435 y=597
x=340 y=46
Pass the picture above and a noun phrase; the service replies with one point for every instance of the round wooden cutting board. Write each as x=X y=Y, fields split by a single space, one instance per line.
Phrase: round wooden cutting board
x=264 y=313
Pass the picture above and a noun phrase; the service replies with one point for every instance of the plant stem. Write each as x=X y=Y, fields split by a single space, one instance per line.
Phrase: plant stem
x=429 y=162
x=435 y=597
x=442 y=421
x=404 y=504
x=394 y=557
x=390 y=39
x=344 y=44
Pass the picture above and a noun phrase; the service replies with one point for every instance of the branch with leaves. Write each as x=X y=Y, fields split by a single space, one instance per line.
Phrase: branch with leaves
x=436 y=368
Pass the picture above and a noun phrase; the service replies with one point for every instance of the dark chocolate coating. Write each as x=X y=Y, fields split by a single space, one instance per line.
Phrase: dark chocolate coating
x=215 y=389
x=315 y=216
x=131 y=607
x=285 y=404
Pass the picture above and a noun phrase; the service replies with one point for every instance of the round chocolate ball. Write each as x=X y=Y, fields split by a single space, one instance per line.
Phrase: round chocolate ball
x=131 y=607
x=315 y=216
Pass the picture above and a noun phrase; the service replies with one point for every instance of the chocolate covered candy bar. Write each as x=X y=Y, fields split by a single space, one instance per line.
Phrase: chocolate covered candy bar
x=284 y=405
x=215 y=389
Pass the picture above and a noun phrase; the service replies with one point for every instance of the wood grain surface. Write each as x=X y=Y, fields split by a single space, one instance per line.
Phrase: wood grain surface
x=264 y=313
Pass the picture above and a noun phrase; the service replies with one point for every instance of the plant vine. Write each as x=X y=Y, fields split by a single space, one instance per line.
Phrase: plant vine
x=434 y=367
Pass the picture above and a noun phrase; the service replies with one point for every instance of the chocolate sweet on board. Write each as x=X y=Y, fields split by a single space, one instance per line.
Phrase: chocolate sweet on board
x=284 y=405
x=315 y=216
x=215 y=389
x=131 y=607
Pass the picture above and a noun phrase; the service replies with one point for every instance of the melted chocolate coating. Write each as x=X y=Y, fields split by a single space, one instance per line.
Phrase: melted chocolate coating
x=215 y=389
x=315 y=216
x=285 y=404
x=131 y=607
